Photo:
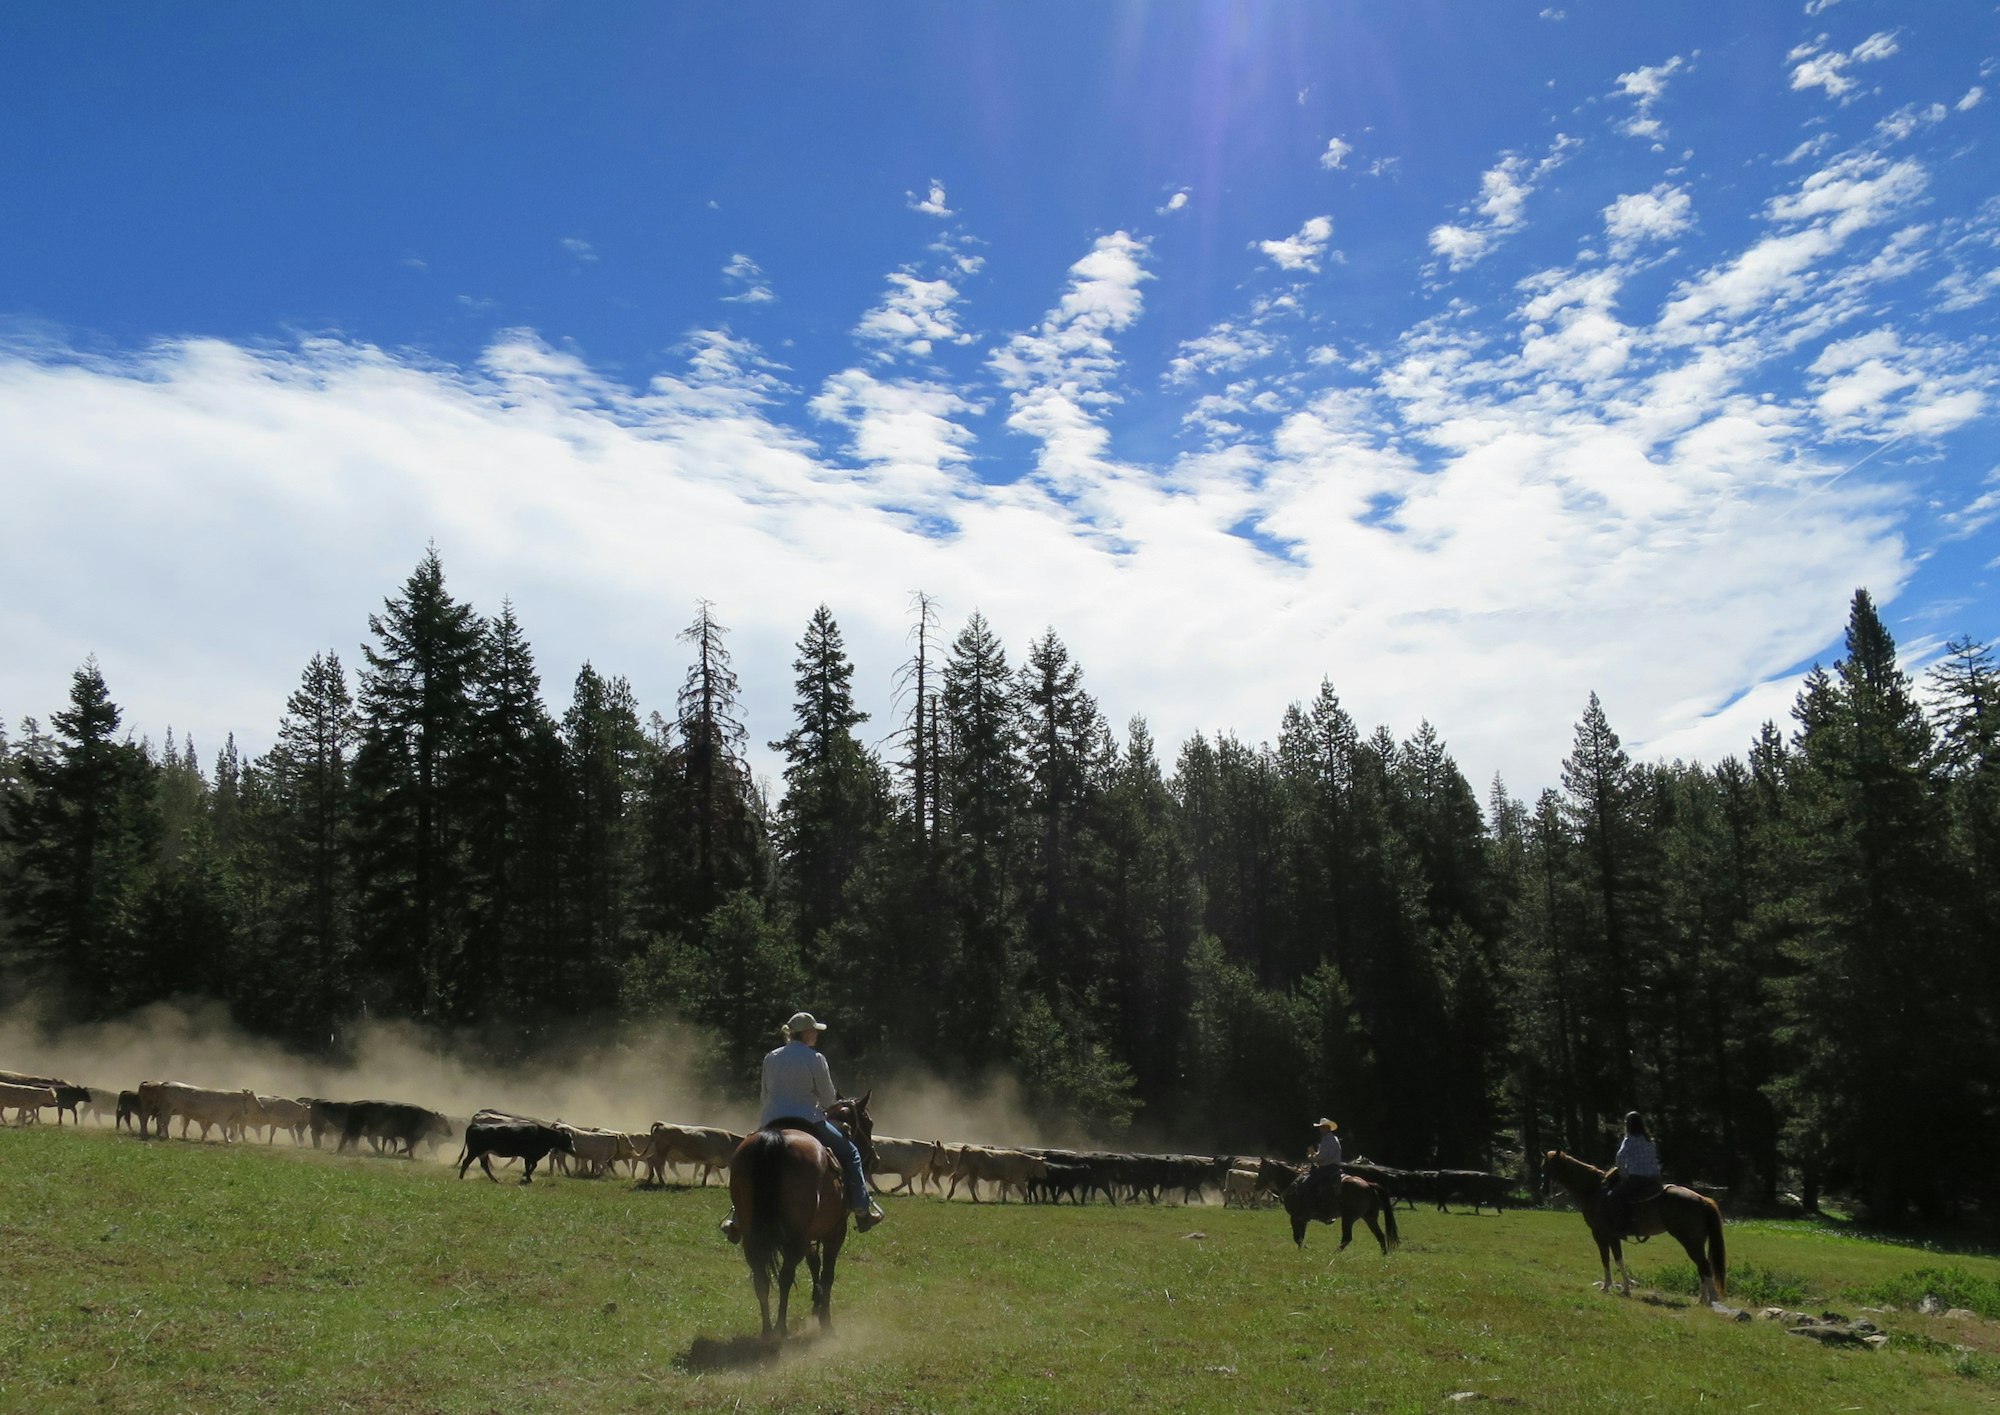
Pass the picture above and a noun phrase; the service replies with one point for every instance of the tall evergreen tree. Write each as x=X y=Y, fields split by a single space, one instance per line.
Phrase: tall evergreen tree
x=980 y=772
x=82 y=834
x=834 y=802
x=1870 y=968
x=307 y=814
x=412 y=772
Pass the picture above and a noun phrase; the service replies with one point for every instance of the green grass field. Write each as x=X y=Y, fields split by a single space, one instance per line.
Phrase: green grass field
x=207 y=1278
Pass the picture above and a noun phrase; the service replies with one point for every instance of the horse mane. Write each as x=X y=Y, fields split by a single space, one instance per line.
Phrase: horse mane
x=1559 y=1161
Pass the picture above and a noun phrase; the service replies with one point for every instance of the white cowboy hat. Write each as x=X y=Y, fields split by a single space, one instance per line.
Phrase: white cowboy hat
x=803 y=1022
x=1324 y=1124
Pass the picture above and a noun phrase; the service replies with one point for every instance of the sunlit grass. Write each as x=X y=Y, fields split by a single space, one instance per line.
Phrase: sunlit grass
x=189 y=1277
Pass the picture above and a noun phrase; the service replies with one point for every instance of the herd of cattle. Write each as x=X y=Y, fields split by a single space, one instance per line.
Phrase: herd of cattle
x=917 y=1166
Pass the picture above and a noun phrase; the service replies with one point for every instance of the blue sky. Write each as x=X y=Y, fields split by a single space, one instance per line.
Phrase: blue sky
x=1475 y=356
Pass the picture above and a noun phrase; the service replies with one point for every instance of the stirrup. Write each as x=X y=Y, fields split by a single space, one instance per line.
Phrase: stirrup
x=867 y=1218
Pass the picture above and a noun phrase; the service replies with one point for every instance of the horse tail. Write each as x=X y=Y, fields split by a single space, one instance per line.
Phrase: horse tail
x=765 y=1238
x=1388 y=1203
x=1717 y=1260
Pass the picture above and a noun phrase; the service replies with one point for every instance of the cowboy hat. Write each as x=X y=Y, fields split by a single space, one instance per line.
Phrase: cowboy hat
x=1324 y=1124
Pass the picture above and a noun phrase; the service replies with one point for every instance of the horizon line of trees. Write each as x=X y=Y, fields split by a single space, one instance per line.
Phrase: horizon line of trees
x=1786 y=960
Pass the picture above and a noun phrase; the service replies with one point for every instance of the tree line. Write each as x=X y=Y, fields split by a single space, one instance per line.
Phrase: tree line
x=1786 y=960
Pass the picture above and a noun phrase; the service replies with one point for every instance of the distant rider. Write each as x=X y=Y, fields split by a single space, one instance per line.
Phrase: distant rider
x=798 y=1086
x=1635 y=1176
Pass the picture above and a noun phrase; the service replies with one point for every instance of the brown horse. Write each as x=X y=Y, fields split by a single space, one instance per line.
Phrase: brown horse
x=1357 y=1199
x=1693 y=1220
x=791 y=1205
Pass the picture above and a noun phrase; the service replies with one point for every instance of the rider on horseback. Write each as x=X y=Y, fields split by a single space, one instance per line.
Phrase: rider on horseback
x=797 y=1088
x=1326 y=1159
x=1635 y=1176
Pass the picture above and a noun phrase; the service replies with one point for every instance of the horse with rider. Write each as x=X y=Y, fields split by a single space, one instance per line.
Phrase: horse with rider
x=794 y=1182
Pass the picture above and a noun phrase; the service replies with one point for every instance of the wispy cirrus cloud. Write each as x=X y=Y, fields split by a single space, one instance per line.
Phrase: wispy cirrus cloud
x=746 y=282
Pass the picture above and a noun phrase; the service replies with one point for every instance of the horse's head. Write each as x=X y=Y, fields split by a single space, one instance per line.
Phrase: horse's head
x=852 y=1116
x=1572 y=1173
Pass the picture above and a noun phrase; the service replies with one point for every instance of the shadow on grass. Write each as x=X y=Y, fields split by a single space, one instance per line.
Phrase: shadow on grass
x=740 y=1353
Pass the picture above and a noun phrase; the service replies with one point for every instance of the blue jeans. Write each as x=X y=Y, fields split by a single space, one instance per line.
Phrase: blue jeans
x=849 y=1155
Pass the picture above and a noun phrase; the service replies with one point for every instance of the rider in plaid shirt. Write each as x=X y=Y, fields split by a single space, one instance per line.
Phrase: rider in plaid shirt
x=1637 y=1175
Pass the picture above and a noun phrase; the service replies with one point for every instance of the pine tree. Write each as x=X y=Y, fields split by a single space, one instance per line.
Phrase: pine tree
x=1871 y=969
x=307 y=816
x=707 y=835
x=607 y=765
x=1066 y=752
x=519 y=826
x=82 y=833
x=412 y=772
x=834 y=803
x=981 y=792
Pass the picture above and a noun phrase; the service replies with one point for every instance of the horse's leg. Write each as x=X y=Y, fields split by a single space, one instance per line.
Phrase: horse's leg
x=1346 y=1228
x=1368 y=1217
x=1604 y=1257
x=823 y=1287
x=1692 y=1247
x=760 y=1282
x=787 y=1275
x=1624 y=1274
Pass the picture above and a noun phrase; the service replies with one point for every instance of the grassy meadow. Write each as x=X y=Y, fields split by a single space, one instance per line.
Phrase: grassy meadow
x=191 y=1277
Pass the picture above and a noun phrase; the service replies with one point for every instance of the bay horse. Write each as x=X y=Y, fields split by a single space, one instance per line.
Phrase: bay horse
x=791 y=1205
x=1353 y=1198
x=1693 y=1219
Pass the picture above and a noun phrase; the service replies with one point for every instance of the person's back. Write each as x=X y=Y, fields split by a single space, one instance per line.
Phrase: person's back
x=1634 y=1178
x=798 y=1085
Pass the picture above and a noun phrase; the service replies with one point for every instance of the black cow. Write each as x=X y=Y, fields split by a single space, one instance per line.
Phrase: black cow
x=526 y=1141
x=326 y=1117
x=129 y=1114
x=68 y=1098
x=392 y=1123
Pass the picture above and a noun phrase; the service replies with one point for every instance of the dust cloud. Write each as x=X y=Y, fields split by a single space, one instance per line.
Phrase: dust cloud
x=617 y=1079
x=624 y=1080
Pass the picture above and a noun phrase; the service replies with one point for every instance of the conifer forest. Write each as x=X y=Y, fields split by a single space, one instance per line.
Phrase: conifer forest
x=1787 y=959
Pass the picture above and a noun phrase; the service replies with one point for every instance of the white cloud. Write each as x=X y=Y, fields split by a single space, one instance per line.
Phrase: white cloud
x=1657 y=215
x=1059 y=375
x=579 y=248
x=1974 y=96
x=1554 y=14
x=931 y=203
x=1827 y=68
x=1336 y=154
x=914 y=315
x=1909 y=119
x=1646 y=86
x=1226 y=348
x=1173 y=203
x=748 y=279
x=1303 y=249
x=1504 y=190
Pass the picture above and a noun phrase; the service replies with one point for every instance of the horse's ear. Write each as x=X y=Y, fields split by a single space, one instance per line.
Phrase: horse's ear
x=862 y=1104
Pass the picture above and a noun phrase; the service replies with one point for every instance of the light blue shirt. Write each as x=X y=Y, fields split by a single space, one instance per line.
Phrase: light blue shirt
x=1328 y=1151
x=796 y=1083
